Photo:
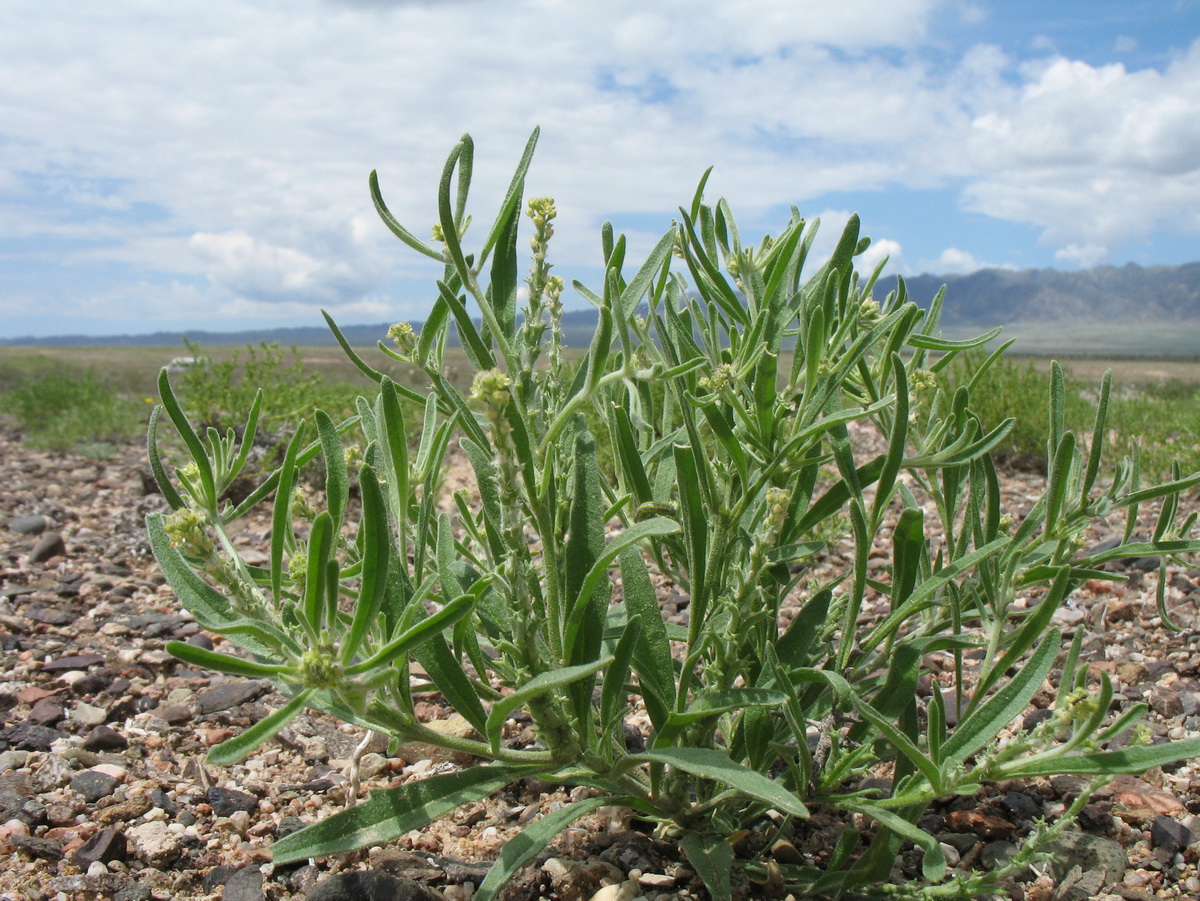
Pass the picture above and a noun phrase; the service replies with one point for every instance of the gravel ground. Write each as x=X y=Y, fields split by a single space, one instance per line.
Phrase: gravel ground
x=104 y=793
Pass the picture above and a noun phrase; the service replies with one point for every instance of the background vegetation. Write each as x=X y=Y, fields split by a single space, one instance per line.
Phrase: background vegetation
x=93 y=398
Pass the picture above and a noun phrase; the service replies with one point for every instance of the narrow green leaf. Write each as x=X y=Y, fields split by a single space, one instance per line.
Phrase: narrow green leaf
x=712 y=702
x=374 y=374
x=390 y=813
x=532 y=839
x=613 y=695
x=281 y=519
x=658 y=525
x=394 y=225
x=376 y=551
x=652 y=662
x=320 y=546
x=1101 y=763
x=712 y=859
x=933 y=865
x=709 y=763
x=156 y=466
x=472 y=342
x=194 y=445
x=225 y=663
x=984 y=723
x=238 y=747
x=640 y=284
x=431 y=625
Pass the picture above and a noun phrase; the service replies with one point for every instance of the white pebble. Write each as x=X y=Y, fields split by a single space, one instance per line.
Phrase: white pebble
x=97 y=868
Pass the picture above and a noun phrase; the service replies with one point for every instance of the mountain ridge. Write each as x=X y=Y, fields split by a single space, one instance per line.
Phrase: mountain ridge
x=1129 y=294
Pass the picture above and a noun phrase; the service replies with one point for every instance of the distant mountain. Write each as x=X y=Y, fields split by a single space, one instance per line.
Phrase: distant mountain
x=1129 y=295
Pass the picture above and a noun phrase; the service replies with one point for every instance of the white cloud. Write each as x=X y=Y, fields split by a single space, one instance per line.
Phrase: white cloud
x=874 y=254
x=251 y=126
x=953 y=261
x=1094 y=156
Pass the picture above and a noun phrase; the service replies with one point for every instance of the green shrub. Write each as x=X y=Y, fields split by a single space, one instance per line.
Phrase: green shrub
x=63 y=411
x=720 y=482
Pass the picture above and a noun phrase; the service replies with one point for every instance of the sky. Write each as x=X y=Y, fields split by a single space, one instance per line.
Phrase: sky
x=203 y=165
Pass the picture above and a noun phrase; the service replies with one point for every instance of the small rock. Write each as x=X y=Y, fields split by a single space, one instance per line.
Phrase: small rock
x=175 y=715
x=981 y=824
x=105 y=845
x=46 y=712
x=455 y=726
x=123 y=812
x=29 y=525
x=154 y=843
x=1170 y=835
x=244 y=885
x=622 y=891
x=371 y=885
x=73 y=662
x=1088 y=852
x=94 y=786
x=51 y=544
x=33 y=846
x=231 y=694
x=105 y=738
x=89 y=715
x=1165 y=702
x=225 y=801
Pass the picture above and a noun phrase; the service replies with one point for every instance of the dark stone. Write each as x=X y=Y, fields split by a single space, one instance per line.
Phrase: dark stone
x=231 y=694
x=105 y=738
x=1088 y=852
x=46 y=712
x=135 y=892
x=244 y=885
x=91 y=684
x=145 y=702
x=105 y=845
x=1033 y=718
x=33 y=846
x=51 y=544
x=30 y=736
x=1020 y=806
x=1170 y=835
x=176 y=714
x=51 y=616
x=371 y=885
x=217 y=877
x=161 y=799
x=75 y=661
x=288 y=825
x=29 y=525
x=1165 y=702
x=227 y=801
x=200 y=640
x=93 y=785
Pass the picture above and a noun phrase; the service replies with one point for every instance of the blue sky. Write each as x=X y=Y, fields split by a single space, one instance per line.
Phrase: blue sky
x=202 y=165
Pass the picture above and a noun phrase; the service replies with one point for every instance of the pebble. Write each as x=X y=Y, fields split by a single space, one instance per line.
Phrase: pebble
x=88 y=715
x=105 y=738
x=154 y=843
x=1170 y=835
x=226 y=801
x=368 y=886
x=230 y=694
x=94 y=785
x=49 y=545
x=104 y=846
x=29 y=525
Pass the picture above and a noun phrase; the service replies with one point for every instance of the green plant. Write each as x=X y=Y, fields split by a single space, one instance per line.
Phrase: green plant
x=720 y=481
x=218 y=392
x=62 y=411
